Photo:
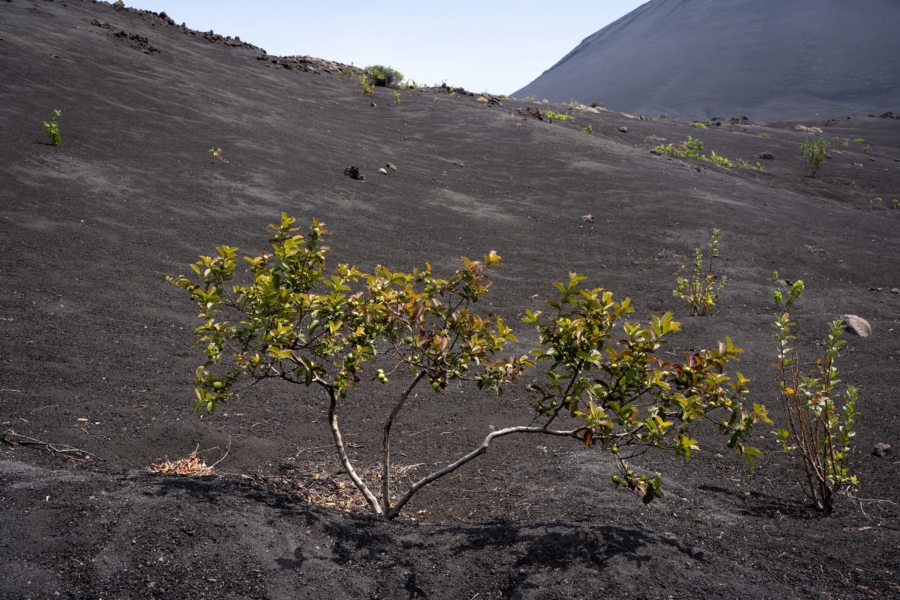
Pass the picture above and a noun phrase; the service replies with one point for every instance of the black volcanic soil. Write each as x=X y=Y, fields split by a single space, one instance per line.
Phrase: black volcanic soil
x=96 y=349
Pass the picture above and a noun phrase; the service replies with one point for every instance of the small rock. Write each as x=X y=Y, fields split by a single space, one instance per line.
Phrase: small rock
x=353 y=172
x=857 y=325
x=895 y=290
x=766 y=156
x=482 y=100
x=390 y=167
x=118 y=5
x=587 y=218
x=374 y=105
x=881 y=450
x=383 y=171
x=876 y=289
x=623 y=129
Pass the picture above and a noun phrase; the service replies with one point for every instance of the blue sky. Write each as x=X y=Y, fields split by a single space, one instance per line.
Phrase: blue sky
x=494 y=46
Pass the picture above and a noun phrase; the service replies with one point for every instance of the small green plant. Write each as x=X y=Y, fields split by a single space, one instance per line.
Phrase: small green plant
x=606 y=383
x=367 y=87
x=820 y=425
x=452 y=93
x=719 y=160
x=588 y=129
x=217 y=153
x=51 y=127
x=815 y=152
x=529 y=98
x=867 y=149
x=699 y=125
x=381 y=76
x=858 y=141
x=397 y=96
x=694 y=148
x=895 y=203
x=700 y=289
x=759 y=167
x=554 y=116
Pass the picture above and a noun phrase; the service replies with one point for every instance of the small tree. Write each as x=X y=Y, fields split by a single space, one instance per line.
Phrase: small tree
x=700 y=289
x=294 y=322
x=814 y=152
x=818 y=428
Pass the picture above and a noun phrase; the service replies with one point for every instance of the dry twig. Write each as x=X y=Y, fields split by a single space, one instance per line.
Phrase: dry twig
x=70 y=452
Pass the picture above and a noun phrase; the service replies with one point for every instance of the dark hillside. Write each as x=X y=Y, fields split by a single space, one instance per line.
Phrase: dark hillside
x=767 y=59
x=96 y=349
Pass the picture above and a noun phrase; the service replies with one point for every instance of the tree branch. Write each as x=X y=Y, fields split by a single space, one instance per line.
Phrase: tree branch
x=395 y=510
x=342 y=452
x=386 y=442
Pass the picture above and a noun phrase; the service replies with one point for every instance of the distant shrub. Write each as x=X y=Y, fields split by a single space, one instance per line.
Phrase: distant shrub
x=553 y=116
x=701 y=287
x=397 y=96
x=605 y=384
x=820 y=424
x=814 y=152
x=381 y=76
x=51 y=128
x=699 y=125
x=588 y=129
x=694 y=148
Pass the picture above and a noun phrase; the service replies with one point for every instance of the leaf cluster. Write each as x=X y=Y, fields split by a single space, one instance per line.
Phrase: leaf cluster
x=51 y=128
x=814 y=152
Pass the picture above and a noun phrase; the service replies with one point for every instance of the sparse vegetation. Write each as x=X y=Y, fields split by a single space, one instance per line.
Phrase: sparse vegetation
x=814 y=152
x=820 y=425
x=693 y=148
x=759 y=167
x=699 y=124
x=51 y=128
x=397 y=96
x=589 y=129
x=292 y=321
x=700 y=289
x=554 y=116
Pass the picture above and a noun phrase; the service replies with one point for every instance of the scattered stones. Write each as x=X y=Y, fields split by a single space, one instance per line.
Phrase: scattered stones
x=882 y=449
x=766 y=156
x=857 y=325
x=353 y=172
x=390 y=167
x=588 y=218
x=534 y=113
x=138 y=42
x=623 y=129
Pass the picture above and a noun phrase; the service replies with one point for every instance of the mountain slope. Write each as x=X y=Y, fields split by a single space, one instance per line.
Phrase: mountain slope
x=767 y=59
x=96 y=348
